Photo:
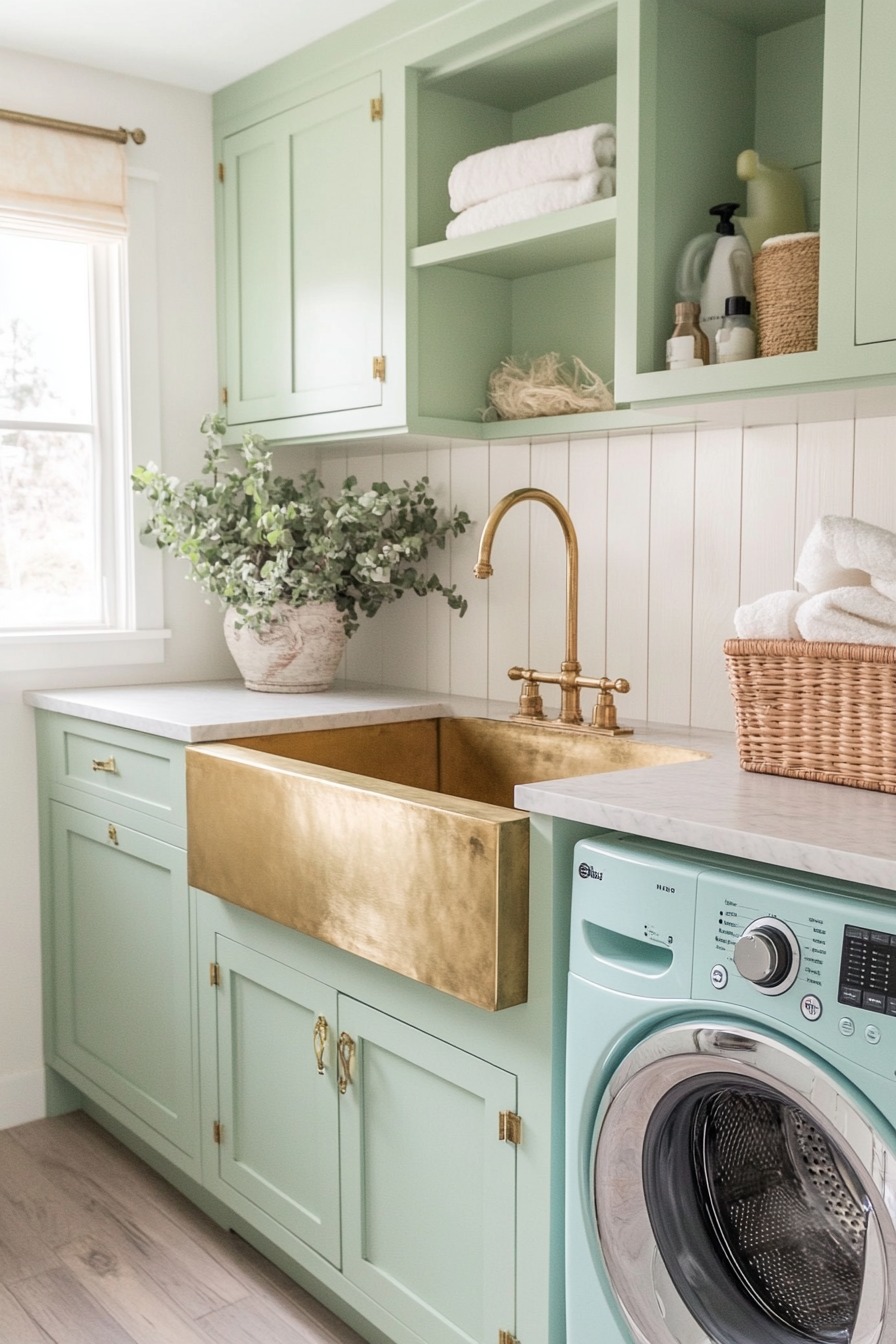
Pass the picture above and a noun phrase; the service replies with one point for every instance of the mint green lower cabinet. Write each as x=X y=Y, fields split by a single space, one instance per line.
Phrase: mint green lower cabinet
x=428 y=1188
x=122 y=959
x=279 y=1116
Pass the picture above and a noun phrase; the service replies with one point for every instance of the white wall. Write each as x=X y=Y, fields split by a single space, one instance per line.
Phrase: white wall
x=179 y=149
x=676 y=529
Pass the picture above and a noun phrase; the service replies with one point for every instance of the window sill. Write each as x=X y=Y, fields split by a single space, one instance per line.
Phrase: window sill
x=41 y=650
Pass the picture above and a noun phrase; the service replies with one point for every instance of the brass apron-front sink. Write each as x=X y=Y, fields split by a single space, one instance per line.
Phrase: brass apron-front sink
x=396 y=841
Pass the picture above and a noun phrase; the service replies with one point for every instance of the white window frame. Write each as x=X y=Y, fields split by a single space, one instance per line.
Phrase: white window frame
x=127 y=426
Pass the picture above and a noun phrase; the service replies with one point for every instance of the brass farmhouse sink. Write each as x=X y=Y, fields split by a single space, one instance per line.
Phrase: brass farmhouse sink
x=396 y=841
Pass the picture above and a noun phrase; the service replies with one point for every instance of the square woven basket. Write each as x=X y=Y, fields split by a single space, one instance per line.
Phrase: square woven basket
x=817 y=711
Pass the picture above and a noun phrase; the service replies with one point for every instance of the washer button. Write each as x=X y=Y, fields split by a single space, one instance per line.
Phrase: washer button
x=719 y=977
x=872 y=1035
x=847 y=1026
x=810 y=1007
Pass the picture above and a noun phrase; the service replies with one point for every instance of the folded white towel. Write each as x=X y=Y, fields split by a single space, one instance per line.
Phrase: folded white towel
x=529 y=202
x=848 y=616
x=494 y=172
x=885 y=586
x=846 y=553
x=770 y=617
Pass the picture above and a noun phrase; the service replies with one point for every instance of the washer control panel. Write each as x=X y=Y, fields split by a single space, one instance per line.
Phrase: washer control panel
x=768 y=955
x=868 y=970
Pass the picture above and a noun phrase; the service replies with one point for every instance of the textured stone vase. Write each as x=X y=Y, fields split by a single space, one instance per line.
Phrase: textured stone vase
x=298 y=652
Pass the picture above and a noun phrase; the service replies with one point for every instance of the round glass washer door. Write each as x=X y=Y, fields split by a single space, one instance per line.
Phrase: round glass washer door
x=740 y=1195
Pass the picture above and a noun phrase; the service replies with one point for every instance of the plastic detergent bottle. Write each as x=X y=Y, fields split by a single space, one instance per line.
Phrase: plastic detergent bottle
x=775 y=201
x=714 y=266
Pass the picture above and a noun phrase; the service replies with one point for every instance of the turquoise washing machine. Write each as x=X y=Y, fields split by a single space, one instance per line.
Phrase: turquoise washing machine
x=731 y=1099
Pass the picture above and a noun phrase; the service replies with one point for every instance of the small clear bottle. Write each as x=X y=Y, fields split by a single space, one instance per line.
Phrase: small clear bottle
x=736 y=337
x=688 y=346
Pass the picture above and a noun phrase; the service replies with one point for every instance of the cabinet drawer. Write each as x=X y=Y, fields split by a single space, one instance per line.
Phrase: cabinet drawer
x=117 y=765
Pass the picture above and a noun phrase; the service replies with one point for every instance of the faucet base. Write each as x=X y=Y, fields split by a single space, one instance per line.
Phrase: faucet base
x=587 y=728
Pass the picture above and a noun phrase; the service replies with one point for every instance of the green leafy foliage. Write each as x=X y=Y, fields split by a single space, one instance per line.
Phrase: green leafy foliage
x=254 y=539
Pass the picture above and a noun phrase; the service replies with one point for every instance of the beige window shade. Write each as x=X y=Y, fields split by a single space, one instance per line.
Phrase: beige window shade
x=53 y=175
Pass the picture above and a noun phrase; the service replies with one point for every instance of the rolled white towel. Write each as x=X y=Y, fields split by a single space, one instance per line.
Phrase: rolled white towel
x=529 y=202
x=846 y=553
x=770 y=617
x=858 y=615
x=494 y=172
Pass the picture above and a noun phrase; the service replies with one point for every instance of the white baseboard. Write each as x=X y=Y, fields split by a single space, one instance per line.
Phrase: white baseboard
x=23 y=1097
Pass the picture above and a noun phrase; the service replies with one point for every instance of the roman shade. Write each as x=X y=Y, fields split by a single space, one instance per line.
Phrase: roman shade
x=52 y=176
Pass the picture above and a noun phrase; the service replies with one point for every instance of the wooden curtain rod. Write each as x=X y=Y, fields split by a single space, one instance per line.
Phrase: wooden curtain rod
x=120 y=136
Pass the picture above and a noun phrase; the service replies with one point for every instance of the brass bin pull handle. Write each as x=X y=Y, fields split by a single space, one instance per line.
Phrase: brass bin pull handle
x=109 y=766
x=346 y=1048
x=321 y=1031
x=113 y=834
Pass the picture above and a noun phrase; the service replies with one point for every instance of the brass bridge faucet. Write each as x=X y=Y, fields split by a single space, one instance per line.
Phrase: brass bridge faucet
x=569 y=678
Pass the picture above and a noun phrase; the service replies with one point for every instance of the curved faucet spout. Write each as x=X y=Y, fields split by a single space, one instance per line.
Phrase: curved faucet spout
x=571 y=709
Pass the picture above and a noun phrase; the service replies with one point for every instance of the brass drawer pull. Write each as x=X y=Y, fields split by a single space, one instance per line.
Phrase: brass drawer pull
x=109 y=766
x=346 y=1055
x=113 y=834
x=321 y=1031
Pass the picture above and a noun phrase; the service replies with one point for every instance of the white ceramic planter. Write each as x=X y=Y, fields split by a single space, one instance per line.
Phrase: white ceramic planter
x=298 y=652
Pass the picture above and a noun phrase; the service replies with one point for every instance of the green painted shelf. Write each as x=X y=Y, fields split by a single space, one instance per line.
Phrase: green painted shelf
x=548 y=243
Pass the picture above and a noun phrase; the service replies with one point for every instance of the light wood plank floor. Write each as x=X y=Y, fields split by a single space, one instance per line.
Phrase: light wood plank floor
x=95 y=1248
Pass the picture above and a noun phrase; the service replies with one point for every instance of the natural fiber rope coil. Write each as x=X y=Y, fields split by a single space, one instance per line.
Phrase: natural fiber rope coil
x=785 y=276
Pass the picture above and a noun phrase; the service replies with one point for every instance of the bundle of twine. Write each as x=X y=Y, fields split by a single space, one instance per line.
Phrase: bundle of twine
x=544 y=386
x=785 y=273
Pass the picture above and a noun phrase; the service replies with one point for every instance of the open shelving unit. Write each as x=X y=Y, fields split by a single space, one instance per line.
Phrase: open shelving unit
x=527 y=288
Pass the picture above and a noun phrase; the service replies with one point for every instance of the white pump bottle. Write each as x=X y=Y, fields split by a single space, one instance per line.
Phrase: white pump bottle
x=715 y=267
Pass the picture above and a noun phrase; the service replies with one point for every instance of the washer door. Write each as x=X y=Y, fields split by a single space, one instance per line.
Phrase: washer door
x=740 y=1195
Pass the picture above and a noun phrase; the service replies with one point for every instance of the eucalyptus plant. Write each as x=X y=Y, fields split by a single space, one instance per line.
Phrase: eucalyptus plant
x=254 y=539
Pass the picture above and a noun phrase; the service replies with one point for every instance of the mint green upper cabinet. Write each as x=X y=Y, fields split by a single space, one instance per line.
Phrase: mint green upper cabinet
x=876 y=203
x=303 y=272
x=429 y=1189
x=121 y=950
x=278 y=1112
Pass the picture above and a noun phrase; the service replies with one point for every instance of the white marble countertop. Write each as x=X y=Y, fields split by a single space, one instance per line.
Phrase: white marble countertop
x=708 y=804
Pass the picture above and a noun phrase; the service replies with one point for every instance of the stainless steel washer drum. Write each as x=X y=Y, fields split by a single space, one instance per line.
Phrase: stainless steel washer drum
x=740 y=1196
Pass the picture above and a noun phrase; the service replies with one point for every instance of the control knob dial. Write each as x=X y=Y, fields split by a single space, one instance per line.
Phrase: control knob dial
x=768 y=955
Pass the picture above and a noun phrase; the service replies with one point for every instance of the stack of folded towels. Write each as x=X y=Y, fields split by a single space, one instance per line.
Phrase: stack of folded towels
x=848 y=569
x=532 y=177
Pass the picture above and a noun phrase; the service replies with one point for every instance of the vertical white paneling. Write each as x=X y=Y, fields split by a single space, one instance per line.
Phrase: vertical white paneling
x=469 y=636
x=875 y=472
x=508 y=588
x=438 y=614
x=331 y=470
x=547 y=565
x=364 y=655
x=717 y=520
x=628 y=562
x=403 y=623
x=769 y=510
x=824 y=475
x=588 y=510
x=671 y=577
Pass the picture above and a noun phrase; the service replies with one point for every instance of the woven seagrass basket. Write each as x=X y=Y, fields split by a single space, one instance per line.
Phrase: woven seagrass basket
x=816 y=711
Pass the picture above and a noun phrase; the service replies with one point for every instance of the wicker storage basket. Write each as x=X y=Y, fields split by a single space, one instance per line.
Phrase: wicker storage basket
x=816 y=711
x=785 y=274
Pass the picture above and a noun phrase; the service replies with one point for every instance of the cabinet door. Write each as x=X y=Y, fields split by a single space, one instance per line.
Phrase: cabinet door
x=122 y=961
x=428 y=1188
x=876 y=205
x=303 y=259
x=279 y=1114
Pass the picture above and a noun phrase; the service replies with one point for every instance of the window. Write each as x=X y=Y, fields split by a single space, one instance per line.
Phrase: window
x=61 y=429
x=77 y=292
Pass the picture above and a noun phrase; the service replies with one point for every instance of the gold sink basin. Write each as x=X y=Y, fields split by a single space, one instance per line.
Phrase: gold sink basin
x=396 y=841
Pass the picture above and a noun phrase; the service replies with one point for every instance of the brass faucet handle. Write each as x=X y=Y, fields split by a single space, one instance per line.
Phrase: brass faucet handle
x=620 y=685
x=531 y=702
x=603 y=718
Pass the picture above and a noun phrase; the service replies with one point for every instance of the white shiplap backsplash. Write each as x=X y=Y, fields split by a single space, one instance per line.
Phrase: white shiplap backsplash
x=676 y=529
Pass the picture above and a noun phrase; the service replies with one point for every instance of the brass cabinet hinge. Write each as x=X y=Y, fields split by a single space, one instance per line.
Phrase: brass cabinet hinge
x=214 y=973
x=224 y=395
x=510 y=1127
x=220 y=172
x=505 y=1337
x=217 y=1131
x=376 y=109
x=379 y=367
